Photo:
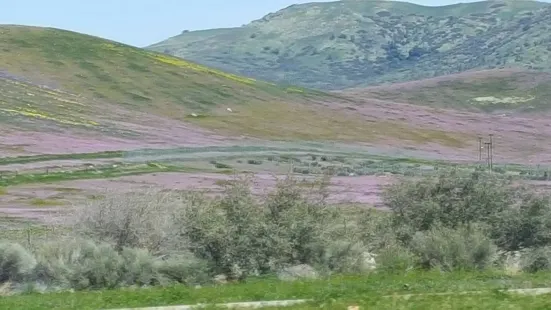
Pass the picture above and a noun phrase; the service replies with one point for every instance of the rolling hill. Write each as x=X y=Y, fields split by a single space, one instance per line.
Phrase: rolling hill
x=510 y=91
x=62 y=91
x=65 y=92
x=343 y=44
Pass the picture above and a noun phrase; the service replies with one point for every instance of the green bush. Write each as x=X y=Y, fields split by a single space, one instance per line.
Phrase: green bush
x=222 y=166
x=347 y=257
x=237 y=234
x=225 y=232
x=182 y=268
x=241 y=236
x=16 y=263
x=145 y=219
x=525 y=225
x=395 y=258
x=514 y=217
x=157 y=237
x=83 y=264
x=449 y=199
x=79 y=264
x=254 y=162
x=536 y=259
x=462 y=248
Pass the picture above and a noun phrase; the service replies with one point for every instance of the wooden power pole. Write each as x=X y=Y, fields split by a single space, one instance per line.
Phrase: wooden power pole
x=491 y=152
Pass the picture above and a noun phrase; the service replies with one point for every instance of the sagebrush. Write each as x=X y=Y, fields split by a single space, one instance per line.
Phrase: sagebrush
x=158 y=237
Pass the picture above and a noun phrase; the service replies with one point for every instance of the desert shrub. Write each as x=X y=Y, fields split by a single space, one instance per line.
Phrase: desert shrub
x=514 y=217
x=448 y=249
x=136 y=220
x=449 y=199
x=302 y=220
x=79 y=264
x=525 y=225
x=301 y=170
x=140 y=267
x=536 y=259
x=241 y=236
x=394 y=257
x=16 y=263
x=375 y=228
x=346 y=256
x=182 y=268
x=83 y=264
x=222 y=166
x=226 y=232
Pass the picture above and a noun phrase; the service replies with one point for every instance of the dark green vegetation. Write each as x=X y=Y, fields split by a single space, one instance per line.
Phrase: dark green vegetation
x=342 y=44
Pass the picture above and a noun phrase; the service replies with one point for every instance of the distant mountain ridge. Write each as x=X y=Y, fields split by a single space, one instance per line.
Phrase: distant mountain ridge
x=350 y=43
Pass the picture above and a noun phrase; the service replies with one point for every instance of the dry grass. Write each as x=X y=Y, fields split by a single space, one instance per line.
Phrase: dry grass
x=284 y=121
x=40 y=202
x=5 y=289
x=460 y=91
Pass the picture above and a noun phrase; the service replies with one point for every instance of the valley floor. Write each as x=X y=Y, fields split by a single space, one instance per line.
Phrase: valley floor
x=41 y=186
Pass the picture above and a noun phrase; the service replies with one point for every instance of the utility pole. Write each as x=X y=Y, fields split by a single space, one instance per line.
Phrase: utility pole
x=491 y=152
x=479 y=149
x=487 y=144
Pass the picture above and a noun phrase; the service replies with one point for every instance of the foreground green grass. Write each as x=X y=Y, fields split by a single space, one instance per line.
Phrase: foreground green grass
x=335 y=293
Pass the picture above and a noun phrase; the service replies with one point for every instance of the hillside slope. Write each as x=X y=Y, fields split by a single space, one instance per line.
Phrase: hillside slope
x=336 y=45
x=62 y=91
x=489 y=91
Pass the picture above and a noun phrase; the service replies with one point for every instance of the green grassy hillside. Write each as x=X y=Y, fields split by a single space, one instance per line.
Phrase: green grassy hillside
x=101 y=69
x=52 y=80
x=343 y=44
x=67 y=78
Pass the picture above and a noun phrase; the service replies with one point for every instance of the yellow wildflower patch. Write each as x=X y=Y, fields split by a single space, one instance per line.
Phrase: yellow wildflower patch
x=41 y=115
x=189 y=65
x=294 y=90
x=109 y=46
